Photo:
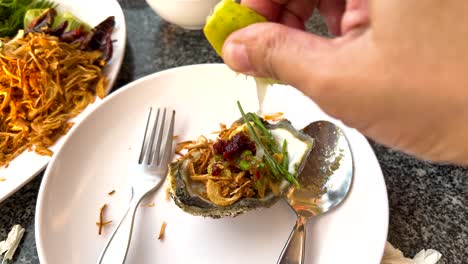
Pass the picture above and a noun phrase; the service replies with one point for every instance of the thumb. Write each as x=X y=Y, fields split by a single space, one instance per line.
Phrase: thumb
x=286 y=54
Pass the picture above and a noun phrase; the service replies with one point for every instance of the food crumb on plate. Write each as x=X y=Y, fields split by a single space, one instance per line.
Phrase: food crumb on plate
x=162 y=231
x=152 y=204
x=101 y=222
x=111 y=192
x=2 y=179
x=105 y=223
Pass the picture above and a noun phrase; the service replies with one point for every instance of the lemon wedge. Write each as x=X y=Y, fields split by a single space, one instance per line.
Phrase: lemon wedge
x=228 y=16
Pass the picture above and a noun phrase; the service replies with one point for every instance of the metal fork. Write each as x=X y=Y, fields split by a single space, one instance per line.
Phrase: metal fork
x=155 y=154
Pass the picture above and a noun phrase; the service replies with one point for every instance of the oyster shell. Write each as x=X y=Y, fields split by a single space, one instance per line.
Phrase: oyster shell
x=193 y=196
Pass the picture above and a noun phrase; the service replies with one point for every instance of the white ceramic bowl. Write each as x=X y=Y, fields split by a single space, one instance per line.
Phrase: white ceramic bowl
x=189 y=14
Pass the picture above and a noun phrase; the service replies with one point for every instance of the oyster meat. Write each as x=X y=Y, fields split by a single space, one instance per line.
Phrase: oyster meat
x=233 y=174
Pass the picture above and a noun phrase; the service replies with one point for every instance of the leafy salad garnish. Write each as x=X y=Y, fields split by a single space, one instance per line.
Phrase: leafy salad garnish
x=12 y=14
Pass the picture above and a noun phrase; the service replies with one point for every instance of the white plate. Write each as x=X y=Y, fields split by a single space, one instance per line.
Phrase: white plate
x=102 y=151
x=24 y=167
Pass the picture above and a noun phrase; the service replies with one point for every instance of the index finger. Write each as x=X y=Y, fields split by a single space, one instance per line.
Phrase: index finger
x=269 y=9
x=292 y=13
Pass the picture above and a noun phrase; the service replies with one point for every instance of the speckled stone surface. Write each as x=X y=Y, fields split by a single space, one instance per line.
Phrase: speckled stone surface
x=428 y=203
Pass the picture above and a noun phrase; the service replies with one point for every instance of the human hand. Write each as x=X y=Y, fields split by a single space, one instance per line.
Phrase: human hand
x=397 y=71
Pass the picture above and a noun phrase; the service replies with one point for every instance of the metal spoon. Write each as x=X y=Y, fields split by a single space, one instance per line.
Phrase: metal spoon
x=325 y=182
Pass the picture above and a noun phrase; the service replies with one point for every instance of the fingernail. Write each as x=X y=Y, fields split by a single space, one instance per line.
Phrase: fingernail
x=235 y=55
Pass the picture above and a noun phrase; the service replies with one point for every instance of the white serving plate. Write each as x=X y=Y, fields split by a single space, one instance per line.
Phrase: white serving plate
x=102 y=151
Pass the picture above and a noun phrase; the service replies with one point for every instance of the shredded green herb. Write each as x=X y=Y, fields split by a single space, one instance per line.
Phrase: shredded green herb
x=12 y=14
x=285 y=154
x=276 y=169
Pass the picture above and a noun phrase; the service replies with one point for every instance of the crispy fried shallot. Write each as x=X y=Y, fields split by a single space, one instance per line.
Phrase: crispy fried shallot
x=101 y=222
x=274 y=116
x=224 y=182
x=104 y=224
x=162 y=231
x=43 y=83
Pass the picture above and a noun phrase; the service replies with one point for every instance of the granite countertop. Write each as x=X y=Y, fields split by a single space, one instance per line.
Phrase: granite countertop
x=428 y=202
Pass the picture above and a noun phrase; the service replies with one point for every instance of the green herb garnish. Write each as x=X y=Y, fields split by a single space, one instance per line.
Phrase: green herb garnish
x=12 y=14
x=244 y=165
x=284 y=151
x=270 y=140
x=276 y=169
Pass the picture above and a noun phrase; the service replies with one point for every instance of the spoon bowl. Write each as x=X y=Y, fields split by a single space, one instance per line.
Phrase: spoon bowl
x=324 y=183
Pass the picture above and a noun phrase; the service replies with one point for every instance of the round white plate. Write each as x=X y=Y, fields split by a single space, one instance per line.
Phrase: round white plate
x=24 y=167
x=102 y=151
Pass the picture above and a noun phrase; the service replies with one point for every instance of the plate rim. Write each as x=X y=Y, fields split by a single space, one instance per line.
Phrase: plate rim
x=40 y=199
x=118 y=63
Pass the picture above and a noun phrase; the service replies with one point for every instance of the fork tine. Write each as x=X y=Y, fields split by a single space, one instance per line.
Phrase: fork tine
x=155 y=151
x=170 y=137
x=143 y=144
x=150 y=151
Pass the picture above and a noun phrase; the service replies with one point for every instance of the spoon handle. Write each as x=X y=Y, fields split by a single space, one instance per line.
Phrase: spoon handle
x=294 y=250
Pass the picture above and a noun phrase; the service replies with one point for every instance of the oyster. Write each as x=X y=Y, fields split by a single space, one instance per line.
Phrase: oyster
x=231 y=175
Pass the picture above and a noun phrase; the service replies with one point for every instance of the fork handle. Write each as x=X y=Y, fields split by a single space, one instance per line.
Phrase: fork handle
x=121 y=236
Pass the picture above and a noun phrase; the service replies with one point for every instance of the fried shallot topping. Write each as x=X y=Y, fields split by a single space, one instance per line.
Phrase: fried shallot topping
x=162 y=231
x=101 y=222
x=227 y=167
